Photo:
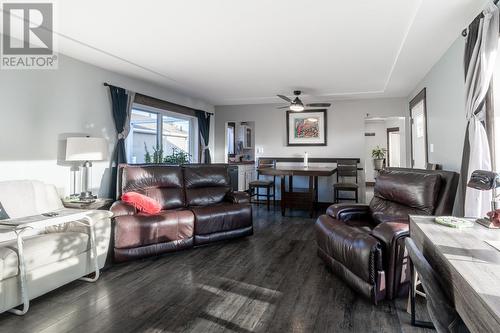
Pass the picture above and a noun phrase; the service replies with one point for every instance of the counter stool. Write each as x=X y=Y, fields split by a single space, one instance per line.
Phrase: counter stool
x=267 y=184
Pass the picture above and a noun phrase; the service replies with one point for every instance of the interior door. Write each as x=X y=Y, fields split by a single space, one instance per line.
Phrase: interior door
x=418 y=131
x=394 y=147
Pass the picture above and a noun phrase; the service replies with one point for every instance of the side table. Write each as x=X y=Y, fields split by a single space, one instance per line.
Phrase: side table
x=98 y=204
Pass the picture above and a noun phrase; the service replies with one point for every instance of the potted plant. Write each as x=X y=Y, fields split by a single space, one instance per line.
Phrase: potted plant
x=178 y=156
x=378 y=155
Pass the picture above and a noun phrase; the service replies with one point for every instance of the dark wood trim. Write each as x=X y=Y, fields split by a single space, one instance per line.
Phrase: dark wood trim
x=421 y=96
x=390 y=130
x=305 y=144
x=163 y=105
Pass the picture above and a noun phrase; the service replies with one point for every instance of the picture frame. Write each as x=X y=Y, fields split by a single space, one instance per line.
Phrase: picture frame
x=306 y=128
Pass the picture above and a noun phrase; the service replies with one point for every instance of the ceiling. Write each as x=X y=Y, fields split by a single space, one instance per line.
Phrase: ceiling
x=244 y=52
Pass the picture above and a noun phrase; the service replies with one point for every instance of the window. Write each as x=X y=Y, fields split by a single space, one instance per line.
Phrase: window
x=230 y=138
x=153 y=131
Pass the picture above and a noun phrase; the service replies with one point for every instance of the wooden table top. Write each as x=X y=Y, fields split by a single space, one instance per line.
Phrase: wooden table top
x=290 y=170
x=464 y=258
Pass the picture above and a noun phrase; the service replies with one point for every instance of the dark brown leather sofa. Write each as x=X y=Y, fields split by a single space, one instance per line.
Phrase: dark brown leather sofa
x=364 y=244
x=198 y=207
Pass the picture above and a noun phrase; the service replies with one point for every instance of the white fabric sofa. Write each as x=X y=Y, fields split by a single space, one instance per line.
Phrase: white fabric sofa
x=54 y=256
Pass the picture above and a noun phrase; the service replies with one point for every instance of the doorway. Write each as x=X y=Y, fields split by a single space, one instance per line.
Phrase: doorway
x=390 y=134
x=393 y=147
x=418 y=119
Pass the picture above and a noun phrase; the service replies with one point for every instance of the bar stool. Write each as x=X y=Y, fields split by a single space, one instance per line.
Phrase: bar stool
x=264 y=183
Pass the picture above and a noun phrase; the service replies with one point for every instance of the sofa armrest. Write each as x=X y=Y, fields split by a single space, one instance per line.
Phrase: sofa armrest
x=102 y=229
x=389 y=232
x=237 y=197
x=390 y=235
x=345 y=212
x=120 y=208
x=355 y=249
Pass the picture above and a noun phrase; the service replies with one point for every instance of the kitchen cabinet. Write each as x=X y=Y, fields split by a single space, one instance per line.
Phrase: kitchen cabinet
x=246 y=174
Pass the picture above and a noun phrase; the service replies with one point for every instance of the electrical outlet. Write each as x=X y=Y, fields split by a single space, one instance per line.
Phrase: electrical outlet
x=431 y=148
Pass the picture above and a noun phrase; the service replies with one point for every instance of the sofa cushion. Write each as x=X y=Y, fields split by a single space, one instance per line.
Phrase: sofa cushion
x=142 y=202
x=22 y=198
x=161 y=183
x=41 y=250
x=394 y=189
x=206 y=184
x=144 y=229
x=221 y=217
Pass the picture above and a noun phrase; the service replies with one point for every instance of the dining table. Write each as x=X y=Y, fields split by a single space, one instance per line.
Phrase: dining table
x=293 y=197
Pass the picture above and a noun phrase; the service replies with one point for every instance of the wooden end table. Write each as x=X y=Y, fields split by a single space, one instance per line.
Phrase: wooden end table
x=98 y=204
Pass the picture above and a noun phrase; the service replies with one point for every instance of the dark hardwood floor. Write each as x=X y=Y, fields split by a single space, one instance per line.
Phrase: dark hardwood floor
x=270 y=282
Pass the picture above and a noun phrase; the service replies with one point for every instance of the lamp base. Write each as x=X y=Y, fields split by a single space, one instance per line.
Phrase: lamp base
x=87 y=197
x=487 y=223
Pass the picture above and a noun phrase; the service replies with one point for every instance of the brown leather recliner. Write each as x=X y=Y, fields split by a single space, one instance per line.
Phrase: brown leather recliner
x=364 y=244
x=198 y=207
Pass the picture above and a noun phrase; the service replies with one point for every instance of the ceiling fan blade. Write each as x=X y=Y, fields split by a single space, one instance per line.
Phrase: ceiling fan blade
x=283 y=107
x=319 y=105
x=285 y=98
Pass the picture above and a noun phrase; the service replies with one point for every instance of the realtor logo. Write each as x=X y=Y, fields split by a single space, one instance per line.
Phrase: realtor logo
x=27 y=37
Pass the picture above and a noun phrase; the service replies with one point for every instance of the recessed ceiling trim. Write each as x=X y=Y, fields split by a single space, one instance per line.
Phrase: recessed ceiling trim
x=271 y=99
x=401 y=46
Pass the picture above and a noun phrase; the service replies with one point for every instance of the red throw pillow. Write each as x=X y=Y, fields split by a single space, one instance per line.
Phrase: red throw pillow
x=142 y=202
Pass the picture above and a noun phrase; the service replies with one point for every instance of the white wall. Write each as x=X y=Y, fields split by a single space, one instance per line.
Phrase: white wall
x=446 y=122
x=39 y=108
x=345 y=122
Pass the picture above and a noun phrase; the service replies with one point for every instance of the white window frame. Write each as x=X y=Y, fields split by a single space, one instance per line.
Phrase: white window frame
x=193 y=129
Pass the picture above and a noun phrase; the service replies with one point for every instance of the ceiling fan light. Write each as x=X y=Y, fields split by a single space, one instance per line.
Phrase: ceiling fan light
x=297 y=105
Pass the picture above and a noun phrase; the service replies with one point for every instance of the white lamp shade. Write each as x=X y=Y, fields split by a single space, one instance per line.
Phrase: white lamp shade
x=86 y=149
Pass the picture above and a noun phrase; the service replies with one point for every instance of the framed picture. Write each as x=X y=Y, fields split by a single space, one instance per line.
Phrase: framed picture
x=306 y=128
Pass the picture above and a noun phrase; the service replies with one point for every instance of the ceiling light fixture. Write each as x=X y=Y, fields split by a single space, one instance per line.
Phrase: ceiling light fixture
x=297 y=105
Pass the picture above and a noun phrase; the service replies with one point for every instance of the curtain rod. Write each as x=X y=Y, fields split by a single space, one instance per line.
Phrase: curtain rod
x=464 y=32
x=110 y=85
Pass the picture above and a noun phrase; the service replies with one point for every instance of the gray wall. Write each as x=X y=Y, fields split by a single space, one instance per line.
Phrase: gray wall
x=39 y=108
x=346 y=125
x=446 y=107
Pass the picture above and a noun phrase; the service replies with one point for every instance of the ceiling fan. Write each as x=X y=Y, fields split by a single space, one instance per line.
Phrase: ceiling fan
x=296 y=104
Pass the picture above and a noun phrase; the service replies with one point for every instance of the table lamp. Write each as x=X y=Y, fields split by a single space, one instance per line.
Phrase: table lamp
x=86 y=149
x=487 y=181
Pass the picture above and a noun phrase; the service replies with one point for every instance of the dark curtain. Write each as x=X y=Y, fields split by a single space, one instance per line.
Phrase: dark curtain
x=472 y=35
x=204 y=127
x=119 y=99
x=464 y=170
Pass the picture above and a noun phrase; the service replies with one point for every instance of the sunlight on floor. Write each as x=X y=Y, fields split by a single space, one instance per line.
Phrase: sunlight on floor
x=233 y=307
